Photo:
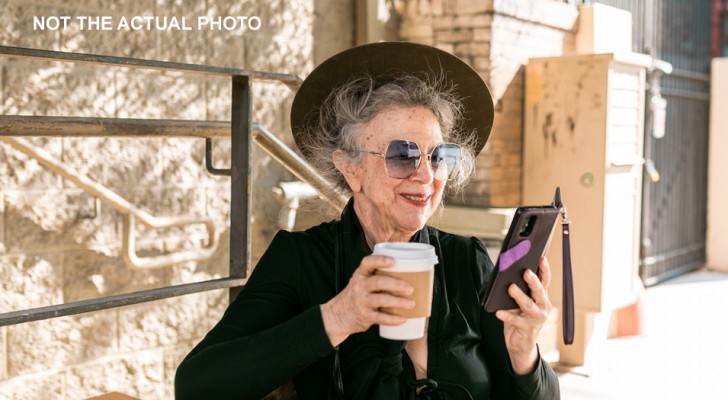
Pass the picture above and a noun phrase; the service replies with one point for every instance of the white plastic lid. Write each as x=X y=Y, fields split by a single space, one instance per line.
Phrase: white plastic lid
x=406 y=251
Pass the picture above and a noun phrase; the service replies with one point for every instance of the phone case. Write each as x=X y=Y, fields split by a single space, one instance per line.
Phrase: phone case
x=526 y=242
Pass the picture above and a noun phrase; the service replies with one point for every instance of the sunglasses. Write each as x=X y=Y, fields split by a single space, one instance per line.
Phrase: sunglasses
x=402 y=158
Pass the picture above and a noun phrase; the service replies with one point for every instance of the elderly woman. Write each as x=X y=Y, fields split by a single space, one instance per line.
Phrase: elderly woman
x=395 y=125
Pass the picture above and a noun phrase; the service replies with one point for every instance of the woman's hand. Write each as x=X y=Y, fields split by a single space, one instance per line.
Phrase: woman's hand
x=356 y=308
x=521 y=326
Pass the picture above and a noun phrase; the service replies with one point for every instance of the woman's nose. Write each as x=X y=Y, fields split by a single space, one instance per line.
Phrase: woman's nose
x=424 y=172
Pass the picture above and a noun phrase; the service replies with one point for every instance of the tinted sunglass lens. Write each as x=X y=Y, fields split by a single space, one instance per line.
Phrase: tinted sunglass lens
x=445 y=160
x=402 y=158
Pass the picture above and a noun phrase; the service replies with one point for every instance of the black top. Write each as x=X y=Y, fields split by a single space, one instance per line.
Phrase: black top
x=273 y=331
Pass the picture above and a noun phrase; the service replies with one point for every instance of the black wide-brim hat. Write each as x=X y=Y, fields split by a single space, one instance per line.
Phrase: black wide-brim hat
x=384 y=62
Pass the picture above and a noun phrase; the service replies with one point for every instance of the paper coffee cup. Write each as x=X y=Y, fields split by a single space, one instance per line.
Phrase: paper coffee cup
x=414 y=263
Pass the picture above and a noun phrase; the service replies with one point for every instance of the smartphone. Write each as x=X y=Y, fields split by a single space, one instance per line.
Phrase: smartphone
x=527 y=241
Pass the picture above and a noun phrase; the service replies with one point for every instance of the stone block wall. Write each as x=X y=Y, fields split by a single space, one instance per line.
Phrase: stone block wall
x=496 y=37
x=59 y=244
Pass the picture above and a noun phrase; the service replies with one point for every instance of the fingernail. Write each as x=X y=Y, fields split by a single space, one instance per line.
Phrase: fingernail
x=411 y=304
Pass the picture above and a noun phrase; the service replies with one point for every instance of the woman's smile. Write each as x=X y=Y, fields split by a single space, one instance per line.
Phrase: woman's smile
x=419 y=200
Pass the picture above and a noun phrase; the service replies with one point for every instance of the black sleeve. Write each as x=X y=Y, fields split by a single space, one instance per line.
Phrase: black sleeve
x=262 y=340
x=541 y=384
x=371 y=365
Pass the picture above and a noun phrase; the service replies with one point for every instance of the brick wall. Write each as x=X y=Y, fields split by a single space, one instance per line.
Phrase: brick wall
x=57 y=244
x=496 y=37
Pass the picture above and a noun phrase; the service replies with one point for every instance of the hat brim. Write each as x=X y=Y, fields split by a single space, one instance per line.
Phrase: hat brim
x=384 y=61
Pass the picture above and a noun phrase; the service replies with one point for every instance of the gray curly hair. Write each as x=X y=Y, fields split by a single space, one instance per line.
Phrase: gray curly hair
x=359 y=100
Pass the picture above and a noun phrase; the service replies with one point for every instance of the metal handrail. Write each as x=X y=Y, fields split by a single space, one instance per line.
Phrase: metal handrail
x=130 y=212
x=292 y=81
x=31 y=125
x=297 y=165
x=41 y=125
x=117 y=300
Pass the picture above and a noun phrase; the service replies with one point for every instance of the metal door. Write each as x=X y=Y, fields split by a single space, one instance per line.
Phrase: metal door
x=674 y=207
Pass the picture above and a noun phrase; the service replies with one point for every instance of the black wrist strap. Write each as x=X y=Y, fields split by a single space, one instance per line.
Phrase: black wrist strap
x=567 y=293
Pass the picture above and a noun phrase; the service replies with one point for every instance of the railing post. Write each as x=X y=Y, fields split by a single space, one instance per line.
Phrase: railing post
x=240 y=208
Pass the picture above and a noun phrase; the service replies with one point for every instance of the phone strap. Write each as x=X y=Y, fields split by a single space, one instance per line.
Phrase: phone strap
x=567 y=294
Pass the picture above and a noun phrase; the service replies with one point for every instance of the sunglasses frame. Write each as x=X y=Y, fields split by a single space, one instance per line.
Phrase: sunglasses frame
x=419 y=158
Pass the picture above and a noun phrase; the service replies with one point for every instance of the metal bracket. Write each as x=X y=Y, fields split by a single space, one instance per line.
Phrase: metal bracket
x=208 y=161
x=129 y=211
x=128 y=245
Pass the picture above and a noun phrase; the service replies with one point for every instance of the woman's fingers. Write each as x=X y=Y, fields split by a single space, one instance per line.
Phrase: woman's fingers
x=367 y=293
x=544 y=272
x=507 y=316
x=525 y=303
x=538 y=290
x=379 y=300
x=383 y=283
x=535 y=308
x=370 y=264
x=378 y=317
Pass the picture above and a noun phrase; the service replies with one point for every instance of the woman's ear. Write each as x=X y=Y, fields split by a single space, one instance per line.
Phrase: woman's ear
x=348 y=169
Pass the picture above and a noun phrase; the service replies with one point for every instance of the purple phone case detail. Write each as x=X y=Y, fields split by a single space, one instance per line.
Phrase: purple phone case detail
x=514 y=254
